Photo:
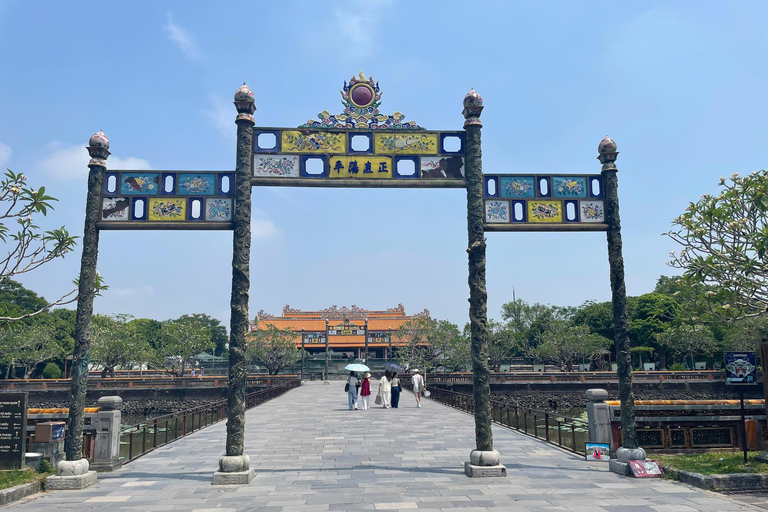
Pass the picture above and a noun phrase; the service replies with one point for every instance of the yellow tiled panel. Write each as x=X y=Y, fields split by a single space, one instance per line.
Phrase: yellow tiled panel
x=361 y=167
x=410 y=143
x=294 y=141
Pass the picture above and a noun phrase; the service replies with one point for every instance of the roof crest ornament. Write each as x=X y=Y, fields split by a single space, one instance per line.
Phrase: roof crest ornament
x=361 y=99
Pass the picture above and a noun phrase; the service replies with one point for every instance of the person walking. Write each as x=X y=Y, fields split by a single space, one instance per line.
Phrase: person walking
x=418 y=386
x=395 y=390
x=352 y=383
x=385 y=389
x=365 y=390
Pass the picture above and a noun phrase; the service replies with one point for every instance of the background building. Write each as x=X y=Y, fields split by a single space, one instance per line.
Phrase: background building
x=353 y=332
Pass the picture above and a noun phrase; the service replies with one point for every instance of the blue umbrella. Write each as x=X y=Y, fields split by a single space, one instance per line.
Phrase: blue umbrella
x=393 y=367
x=355 y=367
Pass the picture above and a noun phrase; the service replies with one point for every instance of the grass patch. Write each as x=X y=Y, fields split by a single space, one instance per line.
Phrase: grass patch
x=714 y=463
x=16 y=477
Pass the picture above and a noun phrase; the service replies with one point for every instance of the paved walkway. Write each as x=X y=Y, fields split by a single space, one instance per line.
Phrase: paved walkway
x=312 y=454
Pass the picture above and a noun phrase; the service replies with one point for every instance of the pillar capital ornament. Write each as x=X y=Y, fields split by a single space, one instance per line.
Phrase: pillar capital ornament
x=608 y=154
x=98 y=149
x=245 y=103
x=473 y=106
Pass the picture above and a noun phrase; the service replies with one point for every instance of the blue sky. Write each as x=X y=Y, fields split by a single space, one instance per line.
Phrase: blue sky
x=680 y=86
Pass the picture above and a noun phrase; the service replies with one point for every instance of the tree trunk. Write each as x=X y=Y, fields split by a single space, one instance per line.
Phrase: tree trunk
x=104 y=373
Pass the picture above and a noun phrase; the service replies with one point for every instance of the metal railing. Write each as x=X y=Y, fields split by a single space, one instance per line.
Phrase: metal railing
x=153 y=382
x=136 y=440
x=567 y=433
x=592 y=377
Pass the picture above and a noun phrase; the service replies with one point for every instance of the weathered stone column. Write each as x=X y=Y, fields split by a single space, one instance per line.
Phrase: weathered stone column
x=234 y=467
x=484 y=460
x=74 y=473
x=106 y=455
x=629 y=450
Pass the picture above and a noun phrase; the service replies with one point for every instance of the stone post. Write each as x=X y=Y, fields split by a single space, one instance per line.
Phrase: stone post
x=629 y=450
x=74 y=473
x=484 y=460
x=325 y=377
x=234 y=467
x=106 y=448
x=599 y=417
x=763 y=455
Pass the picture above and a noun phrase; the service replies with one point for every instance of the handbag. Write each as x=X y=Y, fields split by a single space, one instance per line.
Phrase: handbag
x=346 y=387
x=377 y=401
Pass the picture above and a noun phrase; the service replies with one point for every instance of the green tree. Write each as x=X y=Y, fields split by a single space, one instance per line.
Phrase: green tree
x=27 y=347
x=179 y=341
x=28 y=246
x=51 y=371
x=115 y=344
x=566 y=344
x=274 y=348
x=690 y=340
x=218 y=331
x=151 y=331
x=723 y=241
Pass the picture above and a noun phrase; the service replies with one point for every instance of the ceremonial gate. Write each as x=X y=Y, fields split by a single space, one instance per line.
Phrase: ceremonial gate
x=361 y=147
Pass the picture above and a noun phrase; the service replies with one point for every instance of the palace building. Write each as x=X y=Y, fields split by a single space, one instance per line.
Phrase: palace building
x=351 y=330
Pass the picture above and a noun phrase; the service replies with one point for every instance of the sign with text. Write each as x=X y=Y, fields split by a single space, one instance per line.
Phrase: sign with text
x=13 y=425
x=740 y=368
x=645 y=469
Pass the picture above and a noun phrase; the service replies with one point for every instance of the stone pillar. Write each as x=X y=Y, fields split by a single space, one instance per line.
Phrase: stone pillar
x=106 y=455
x=763 y=455
x=599 y=417
x=484 y=460
x=629 y=450
x=325 y=377
x=74 y=473
x=234 y=467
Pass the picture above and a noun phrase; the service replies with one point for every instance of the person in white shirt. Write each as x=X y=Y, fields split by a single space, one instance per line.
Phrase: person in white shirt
x=418 y=386
x=385 y=389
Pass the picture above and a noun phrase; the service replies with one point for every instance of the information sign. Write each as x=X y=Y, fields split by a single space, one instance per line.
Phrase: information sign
x=645 y=469
x=740 y=368
x=13 y=426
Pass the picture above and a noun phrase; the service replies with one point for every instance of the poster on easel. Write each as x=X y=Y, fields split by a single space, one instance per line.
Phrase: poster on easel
x=597 y=452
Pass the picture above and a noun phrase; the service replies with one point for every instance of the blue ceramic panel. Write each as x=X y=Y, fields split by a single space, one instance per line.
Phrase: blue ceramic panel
x=218 y=210
x=595 y=186
x=110 y=183
x=270 y=142
x=571 y=211
x=459 y=136
x=195 y=209
x=519 y=211
x=168 y=184
x=410 y=162
x=144 y=183
x=314 y=160
x=139 y=208
x=196 y=184
x=354 y=139
x=569 y=186
x=496 y=211
x=517 y=186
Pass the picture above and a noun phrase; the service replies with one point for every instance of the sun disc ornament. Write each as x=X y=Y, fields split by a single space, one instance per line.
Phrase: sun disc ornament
x=361 y=98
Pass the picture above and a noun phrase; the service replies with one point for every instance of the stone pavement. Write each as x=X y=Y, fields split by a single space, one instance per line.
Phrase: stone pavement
x=312 y=454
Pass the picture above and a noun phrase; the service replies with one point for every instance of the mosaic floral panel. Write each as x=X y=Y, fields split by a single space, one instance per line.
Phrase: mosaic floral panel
x=450 y=167
x=144 y=183
x=592 y=211
x=115 y=208
x=168 y=209
x=545 y=211
x=412 y=143
x=279 y=166
x=197 y=184
x=362 y=166
x=294 y=141
x=497 y=211
x=569 y=186
x=517 y=186
x=218 y=210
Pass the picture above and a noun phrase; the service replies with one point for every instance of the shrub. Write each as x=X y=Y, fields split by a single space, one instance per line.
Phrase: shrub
x=677 y=367
x=45 y=467
x=51 y=371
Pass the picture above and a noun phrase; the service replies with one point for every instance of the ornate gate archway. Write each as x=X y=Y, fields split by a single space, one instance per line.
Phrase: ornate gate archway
x=360 y=147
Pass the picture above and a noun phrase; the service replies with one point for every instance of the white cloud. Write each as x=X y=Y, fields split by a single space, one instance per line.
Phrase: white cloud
x=180 y=38
x=69 y=162
x=133 y=292
x=222 y=113
x=357 y=24
x=5 y=154
x=263 y=228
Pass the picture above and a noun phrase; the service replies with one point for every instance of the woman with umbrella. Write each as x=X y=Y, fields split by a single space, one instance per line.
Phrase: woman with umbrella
x=393 y=368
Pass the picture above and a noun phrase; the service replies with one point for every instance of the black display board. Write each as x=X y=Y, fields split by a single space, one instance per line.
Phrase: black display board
x=13 y=430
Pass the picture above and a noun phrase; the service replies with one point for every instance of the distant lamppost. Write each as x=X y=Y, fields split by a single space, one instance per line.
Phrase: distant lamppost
x=303 y=337
x=325 y=378
x=389 y=350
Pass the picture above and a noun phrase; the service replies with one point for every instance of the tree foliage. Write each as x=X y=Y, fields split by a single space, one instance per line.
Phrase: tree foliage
x=724 y=240
x=116 y=344
x=178 y=341
x=272 y=347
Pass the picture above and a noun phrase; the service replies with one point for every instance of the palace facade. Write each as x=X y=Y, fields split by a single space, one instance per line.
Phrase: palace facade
x=353 y=330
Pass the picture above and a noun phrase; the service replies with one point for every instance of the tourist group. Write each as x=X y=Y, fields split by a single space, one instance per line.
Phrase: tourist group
x=388 y=393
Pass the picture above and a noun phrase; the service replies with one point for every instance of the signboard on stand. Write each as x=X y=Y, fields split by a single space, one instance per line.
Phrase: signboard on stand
x=740 y=368
x=13 y=430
